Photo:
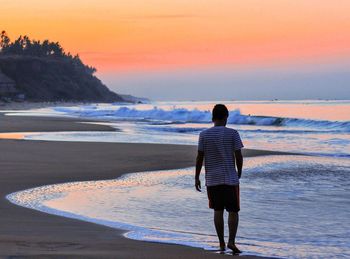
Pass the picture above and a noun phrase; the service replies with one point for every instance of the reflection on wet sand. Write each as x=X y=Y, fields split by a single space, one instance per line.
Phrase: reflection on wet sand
x=293 y=189
x=13 y=135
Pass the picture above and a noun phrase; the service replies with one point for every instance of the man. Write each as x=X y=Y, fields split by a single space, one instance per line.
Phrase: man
x=220 y=148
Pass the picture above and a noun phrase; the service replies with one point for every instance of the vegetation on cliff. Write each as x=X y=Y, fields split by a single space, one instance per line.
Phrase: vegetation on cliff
x=43 y=71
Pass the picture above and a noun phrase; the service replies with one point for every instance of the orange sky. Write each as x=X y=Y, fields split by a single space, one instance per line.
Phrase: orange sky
x=163 y=34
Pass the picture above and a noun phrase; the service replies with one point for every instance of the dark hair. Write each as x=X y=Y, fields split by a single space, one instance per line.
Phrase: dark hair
x=220 y=112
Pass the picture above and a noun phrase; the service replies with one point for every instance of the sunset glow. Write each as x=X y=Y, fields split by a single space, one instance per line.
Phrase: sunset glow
x=158 y=34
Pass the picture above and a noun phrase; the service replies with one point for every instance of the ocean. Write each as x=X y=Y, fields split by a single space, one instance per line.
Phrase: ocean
x=292 y=206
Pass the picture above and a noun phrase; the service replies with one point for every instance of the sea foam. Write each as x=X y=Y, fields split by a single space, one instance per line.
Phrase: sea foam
x=183 y=115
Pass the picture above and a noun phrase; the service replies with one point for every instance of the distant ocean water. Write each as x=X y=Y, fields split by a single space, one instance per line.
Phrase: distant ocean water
x=308 y=127
x=292 y=206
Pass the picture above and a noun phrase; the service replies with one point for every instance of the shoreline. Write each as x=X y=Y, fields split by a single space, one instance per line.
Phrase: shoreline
x=15 y=106
x=31 y=233
x=126 y=228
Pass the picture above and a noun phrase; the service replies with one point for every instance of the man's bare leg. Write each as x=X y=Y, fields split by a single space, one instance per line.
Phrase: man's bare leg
x=219 y=226
x=233 y=219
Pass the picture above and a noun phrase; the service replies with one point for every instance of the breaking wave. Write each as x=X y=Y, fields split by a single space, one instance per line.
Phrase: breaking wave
x=181 y=115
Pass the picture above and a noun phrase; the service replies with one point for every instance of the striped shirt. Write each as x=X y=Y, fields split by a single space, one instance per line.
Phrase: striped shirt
x=219 y=144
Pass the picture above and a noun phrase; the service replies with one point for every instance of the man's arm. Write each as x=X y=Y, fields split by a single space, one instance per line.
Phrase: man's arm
x=199 y=164
x=239 y=162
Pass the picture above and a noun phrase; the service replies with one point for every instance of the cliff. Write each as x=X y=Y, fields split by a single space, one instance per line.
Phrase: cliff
x=54 y=79
x=43 y=71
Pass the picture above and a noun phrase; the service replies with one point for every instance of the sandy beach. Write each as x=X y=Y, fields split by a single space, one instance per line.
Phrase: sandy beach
x=26 y=164
x=122 y=125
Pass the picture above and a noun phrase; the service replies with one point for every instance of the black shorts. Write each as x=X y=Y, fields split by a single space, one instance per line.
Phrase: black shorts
x=224 y=197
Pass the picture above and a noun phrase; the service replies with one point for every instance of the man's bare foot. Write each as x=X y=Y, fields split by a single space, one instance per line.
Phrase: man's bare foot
x=222 y=247
x=234 y=248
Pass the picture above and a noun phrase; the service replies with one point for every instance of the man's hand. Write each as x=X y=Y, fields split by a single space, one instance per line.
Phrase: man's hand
x=198 y=185
x=199 y=163
x=239 y=162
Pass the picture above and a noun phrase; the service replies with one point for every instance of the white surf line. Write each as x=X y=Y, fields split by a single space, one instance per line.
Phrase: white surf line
x=131 y=231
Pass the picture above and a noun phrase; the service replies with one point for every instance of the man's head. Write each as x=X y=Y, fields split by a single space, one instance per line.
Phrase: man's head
x=220 y=114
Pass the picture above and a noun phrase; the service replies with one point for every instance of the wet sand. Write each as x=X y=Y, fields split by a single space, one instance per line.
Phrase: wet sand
x=26 y=164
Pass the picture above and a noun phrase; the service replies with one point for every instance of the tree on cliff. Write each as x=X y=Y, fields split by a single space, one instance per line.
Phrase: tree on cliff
x=4 y=40
x=23 y=45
